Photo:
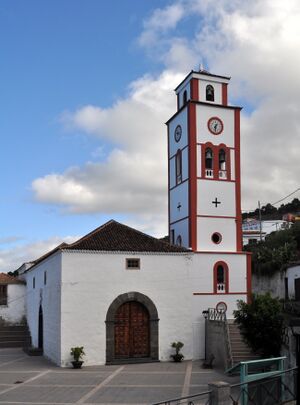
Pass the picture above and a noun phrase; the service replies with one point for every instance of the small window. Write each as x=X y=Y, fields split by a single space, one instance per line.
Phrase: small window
x=184 y=98
x=132 y=264
x=33 y=282
x=45 y=277
x=178 y=240
x=172 y=237
x=3 y=294
x=210 y=93
x=252 y=241
x=220 y=275
x=178 y=165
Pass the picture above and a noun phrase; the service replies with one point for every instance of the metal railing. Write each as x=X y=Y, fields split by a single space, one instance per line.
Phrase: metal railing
x=216 y=315
x=202 y=398
x=276 y=390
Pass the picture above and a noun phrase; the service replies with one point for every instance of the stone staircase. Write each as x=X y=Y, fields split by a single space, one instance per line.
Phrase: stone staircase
x=14 y=336
x=240 y=351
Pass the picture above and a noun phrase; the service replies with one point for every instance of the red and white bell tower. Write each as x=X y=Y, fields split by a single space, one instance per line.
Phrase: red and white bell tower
x=204 y=166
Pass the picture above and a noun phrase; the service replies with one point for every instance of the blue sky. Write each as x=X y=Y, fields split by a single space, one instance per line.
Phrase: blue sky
x=86 y=87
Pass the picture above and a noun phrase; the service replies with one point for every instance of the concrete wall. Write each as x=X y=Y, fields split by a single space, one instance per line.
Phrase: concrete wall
x=14 y=311
x=49 y=297
x=215 y=335
x=274 y=285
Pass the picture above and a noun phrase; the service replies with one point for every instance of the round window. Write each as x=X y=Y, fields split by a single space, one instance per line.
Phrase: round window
x=216 y=237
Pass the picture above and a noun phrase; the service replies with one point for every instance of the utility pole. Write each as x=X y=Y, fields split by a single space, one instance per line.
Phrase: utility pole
x=259 y=218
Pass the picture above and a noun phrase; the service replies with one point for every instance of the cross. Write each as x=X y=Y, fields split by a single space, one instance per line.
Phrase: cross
x=216 y=202
x=179 y=206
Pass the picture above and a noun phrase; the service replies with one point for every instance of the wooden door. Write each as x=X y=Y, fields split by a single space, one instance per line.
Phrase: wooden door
x=132 y=331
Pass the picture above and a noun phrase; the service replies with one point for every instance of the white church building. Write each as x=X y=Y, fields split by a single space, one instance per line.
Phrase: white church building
x=125 y=296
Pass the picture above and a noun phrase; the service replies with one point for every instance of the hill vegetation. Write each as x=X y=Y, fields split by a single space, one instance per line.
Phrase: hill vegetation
x=269 y=212
x=279 y=249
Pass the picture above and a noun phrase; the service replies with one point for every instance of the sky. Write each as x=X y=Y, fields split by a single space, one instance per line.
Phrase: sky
x=86 y=87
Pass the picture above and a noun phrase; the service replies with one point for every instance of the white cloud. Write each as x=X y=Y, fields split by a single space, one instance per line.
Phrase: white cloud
x=257 y=44
x=14 y=257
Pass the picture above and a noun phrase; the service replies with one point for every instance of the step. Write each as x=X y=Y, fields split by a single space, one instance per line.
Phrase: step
x=14 y=327
x=11 y=344
x=12 y=338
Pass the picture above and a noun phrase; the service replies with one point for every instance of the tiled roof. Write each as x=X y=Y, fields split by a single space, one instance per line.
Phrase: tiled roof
x=6 y=279
x=114 y=236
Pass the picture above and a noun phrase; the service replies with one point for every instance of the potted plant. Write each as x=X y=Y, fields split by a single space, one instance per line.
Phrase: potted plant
x=177 y=357
x=77 y=352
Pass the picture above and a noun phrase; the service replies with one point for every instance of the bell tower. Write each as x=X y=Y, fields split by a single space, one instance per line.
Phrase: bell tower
x=204 y=166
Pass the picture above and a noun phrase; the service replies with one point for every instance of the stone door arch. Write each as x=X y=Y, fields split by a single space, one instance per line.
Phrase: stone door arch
x=149 y=314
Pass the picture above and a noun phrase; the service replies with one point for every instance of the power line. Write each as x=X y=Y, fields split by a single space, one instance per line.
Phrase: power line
x=284 y=198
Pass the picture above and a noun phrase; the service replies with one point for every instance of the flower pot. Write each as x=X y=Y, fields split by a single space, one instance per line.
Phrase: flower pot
x=77 y=364
x=177 y=357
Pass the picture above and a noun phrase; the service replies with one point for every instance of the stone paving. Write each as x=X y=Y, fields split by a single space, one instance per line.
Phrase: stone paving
x=34 y=380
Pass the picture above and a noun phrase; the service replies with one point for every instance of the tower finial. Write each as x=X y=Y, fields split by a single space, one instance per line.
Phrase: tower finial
x=201 y=67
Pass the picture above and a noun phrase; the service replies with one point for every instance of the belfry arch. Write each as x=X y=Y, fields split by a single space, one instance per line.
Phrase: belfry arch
x=139 y=300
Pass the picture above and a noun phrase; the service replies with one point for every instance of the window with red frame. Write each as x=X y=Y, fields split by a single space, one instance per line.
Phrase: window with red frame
x=221 y=278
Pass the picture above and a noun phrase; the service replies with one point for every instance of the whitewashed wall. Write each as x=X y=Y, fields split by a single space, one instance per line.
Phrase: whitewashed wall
x=91 y=282
x=49 y=296
x=14 y=311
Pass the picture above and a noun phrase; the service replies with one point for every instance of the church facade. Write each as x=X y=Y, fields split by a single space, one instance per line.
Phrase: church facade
x=125 y=296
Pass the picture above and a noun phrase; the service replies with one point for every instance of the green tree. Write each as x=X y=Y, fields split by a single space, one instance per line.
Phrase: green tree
x=260 y=323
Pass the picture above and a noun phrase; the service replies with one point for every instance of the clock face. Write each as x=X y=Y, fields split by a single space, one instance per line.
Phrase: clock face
x=215 y=125
x=177 y=133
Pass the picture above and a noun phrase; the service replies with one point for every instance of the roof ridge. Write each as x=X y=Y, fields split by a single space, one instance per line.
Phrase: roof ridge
x=92 y=232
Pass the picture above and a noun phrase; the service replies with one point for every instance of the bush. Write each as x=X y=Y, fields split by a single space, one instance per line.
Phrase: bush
x=260 y=323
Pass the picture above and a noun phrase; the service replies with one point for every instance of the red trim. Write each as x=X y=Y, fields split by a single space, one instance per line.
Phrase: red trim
x=178 y=220
x=222 y=253
x=182 y=149
x=194 y=89
x=226 y=276
x=169 y=174
x=177 y=185
x=228 y=147
x=230 y=293
x=215 y=216
x=210 y=179
x=224 y=94
x=192 y=176
x=215 y=118
x=216 y=150
x=239 y=236
x=221 y=302
x=249 y=277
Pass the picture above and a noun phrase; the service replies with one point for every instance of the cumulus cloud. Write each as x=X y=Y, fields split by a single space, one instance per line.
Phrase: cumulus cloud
x=257 y=44
x=13 y=257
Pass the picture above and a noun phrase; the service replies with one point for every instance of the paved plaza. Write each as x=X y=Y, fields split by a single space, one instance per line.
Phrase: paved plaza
x=33 y=380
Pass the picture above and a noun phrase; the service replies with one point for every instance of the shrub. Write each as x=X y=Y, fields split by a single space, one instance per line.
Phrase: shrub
x=260 y=323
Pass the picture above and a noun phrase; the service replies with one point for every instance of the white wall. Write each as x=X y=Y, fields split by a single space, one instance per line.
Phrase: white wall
x=49 y=297
x=226 y=227
x=14 y=311
x=179 y=119
x=208 y=190
x=179 y=195
x=182 y=228
x=292 y=273
x=91 y=282
x=203 y=114
x=186 y=88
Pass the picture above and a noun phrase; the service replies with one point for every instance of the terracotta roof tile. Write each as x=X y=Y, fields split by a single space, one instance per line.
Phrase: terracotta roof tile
x=113 y=236
x=6 y=279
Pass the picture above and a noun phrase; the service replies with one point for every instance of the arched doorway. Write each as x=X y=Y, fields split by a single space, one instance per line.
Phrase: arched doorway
x=131 y=329
x=41 y=329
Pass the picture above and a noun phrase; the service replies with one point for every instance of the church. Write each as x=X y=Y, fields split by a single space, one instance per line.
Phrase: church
x=124 y=295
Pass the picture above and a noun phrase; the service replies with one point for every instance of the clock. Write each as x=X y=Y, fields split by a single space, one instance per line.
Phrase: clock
x=215 y=125
x=177 y=133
